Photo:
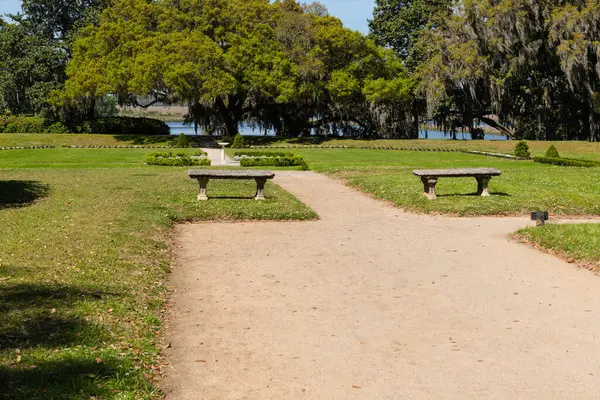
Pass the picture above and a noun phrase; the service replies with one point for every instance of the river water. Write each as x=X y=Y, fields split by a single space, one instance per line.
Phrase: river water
x=178 y=128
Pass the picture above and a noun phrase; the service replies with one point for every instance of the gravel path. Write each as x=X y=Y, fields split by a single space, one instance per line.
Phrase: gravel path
x=373 y=303
x=215 y=158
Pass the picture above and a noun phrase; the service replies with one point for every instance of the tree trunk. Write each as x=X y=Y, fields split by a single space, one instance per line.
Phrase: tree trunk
x=91 y=111
x=594 y=121
x=414 y=132
x=228 y=118
x=550 y=130
x=586 y=118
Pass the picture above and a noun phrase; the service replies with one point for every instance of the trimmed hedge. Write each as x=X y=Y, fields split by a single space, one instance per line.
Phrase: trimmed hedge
x=552 y=152
x=124 y=126
x=295 y=161
x=567 y=162
x=178 y=160
x=238 y=141
x=262 y=154
x=182 y=141
x=522 y=150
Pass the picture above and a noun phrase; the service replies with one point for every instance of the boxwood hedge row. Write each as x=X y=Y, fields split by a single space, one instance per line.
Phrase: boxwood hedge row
x=567 y=162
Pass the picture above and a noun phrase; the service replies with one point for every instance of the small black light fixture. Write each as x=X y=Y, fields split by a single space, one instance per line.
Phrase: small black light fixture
x=540 y=217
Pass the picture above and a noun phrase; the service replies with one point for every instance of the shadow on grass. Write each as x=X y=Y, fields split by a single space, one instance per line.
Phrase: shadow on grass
x=143 y=139
x=231 y=198
x=195 y=141
x=499 y=194
x=306 y=140
x=21 y=193
x=52 y=332
x=65 y=379
x=37 y=316
x=37 y=319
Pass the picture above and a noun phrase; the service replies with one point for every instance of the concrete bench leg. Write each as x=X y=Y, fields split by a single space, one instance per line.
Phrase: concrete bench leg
x=429 y=187
x=482 y=185
x=260 y=189
x=202 y=196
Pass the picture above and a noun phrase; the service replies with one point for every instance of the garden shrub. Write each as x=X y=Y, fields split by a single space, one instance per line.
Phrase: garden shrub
x=182 y=141
x=552 y=152
x=262 y=154
x=124 y=126
x=238 y=141
x=522 y=150
x=178 y=160
x=304 y=166
x=109 y=125
x=274 y=162
x=56 y=127
x=567 y=162
x=22 y=124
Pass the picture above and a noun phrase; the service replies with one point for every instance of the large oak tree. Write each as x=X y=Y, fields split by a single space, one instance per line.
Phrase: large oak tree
x=279 y=65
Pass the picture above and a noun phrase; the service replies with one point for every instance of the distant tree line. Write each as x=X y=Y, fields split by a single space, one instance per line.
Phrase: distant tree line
x=529 y=69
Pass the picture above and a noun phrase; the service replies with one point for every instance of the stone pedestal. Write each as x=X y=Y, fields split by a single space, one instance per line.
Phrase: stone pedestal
x=260 y=188
x=223 y=145
x=202 y=195
x=429 y=187
x=482 y=185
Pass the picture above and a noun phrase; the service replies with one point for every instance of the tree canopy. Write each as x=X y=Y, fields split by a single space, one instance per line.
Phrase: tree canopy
x=528 y=68
x=399 y=23
x=277 y=65
x=59 y=19
x=31 y=67
x=35 y=49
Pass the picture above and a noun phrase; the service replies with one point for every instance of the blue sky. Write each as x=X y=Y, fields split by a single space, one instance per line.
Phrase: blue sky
x=354 y=13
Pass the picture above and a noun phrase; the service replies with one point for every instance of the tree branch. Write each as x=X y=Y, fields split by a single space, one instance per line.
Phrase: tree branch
x=498 y=126
x=135 y=103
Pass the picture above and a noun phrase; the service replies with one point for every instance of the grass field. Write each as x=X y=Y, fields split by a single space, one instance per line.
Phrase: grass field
x=59 y=140
x=566 y=149
x=77 y=158
x=84 y=258
x=84 y=253
x=523 y=187
x=579 y=242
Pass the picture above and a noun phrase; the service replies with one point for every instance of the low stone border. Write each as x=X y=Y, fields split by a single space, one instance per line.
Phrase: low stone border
x=499 y=155
x=115 y=147
x=481 y=153
x=83 y=147
x=27 y=147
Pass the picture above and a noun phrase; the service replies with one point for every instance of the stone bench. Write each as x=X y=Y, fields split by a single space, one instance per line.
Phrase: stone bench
x=429 y=177
x=204 y=175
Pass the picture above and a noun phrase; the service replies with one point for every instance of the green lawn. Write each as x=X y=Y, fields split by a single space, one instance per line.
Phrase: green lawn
x=59 y=140
x=566 y=149
x=84 y=258
x=523 y=187
x=84 y=253
x=77 y=158
x=579 y=242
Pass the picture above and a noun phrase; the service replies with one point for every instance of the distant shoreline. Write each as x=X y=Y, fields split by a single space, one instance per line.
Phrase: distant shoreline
x=177 y=114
